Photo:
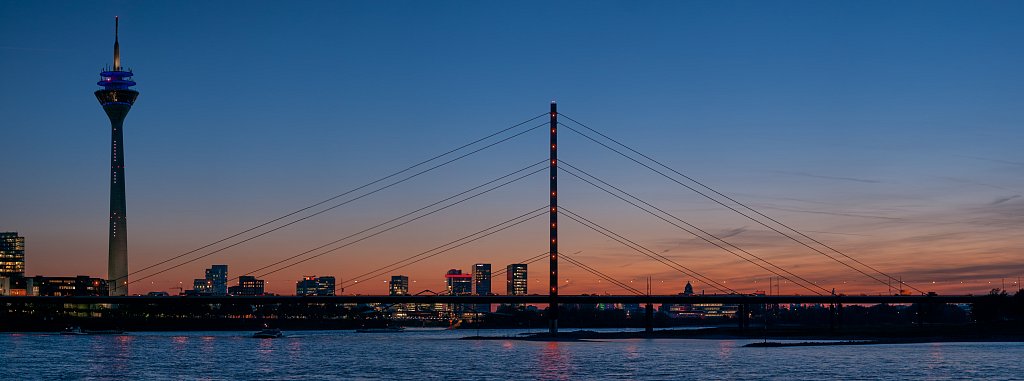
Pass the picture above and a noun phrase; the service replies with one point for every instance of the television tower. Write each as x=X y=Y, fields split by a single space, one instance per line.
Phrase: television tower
x=117 y=98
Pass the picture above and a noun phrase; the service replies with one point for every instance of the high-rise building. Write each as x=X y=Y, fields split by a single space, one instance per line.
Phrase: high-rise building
x=12 y=255
x=458 y=283
x=482 y=279
x=117 y=98
x=515 y=275
x=247 y=286
x=218 y=275
x=315 y=286
x=482 y=284
x=399 y=285
x=215 y=282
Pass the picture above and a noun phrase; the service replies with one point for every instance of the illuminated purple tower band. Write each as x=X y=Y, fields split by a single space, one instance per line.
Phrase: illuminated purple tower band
x=117 y=98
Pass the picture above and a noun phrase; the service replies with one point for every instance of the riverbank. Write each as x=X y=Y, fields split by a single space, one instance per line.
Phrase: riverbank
x=805 y=335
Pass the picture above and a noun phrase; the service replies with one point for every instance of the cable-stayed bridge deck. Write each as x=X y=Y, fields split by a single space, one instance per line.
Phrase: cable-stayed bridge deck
x=502 y=299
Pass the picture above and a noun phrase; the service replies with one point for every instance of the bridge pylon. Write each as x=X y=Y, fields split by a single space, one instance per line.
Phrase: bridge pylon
x=553 y=228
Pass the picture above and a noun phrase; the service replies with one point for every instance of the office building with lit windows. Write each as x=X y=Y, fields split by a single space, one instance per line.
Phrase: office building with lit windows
x=515 y=276
x=315 y=286
x=399 y=285
x=482 y=284
x=12 y=286
x=482 y=279
x=247 y=286
x=458 y=283
x=65 y=286
x=12 y=255
x=215 y=282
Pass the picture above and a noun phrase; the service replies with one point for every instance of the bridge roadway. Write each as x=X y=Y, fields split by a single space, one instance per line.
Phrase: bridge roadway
x=502 y=299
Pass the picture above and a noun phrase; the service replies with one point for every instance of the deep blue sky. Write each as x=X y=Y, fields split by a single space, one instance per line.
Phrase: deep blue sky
x=891 y=128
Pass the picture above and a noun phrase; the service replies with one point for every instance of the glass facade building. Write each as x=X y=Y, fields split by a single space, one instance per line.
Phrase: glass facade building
x=12 y=255
x=482 y=284
x=482 y=279
x=458 y=283
x=516 y=281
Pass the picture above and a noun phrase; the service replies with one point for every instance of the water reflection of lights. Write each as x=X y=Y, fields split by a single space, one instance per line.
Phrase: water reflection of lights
x=936 y=356
x=179 y=342
x=295 y=346
x=725 y=348
x=124 y=351
x=554 y=362
x=208 y=342
x=632 y=352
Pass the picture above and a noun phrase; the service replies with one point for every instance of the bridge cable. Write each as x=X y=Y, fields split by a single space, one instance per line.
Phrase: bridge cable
x=738 y=203
x=523 y=262
x=698 y=235
x=417 y=211
x=647 y=252
x=594 y=271
x=335 y=197
x=394 y=226
x=424 y=255
x=687 y=224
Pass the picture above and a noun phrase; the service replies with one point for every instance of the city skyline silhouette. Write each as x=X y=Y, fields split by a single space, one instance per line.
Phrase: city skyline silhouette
x=895 y=142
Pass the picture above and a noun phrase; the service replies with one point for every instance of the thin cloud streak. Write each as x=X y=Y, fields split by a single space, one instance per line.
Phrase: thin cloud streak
x=839 y=178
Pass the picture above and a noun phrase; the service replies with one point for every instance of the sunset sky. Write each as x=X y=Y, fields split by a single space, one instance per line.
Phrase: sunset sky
x=891 y=131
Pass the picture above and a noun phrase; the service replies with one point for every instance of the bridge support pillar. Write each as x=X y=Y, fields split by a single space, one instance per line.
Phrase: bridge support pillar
x=832 y=317
x=839 y=315
x=920 y=315
x=649 y=318
x=741 y=317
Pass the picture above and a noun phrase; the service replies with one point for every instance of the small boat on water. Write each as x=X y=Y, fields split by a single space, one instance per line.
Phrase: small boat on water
x=381 y=330
x=79 y=331
x=72 y=331
x=268 y=333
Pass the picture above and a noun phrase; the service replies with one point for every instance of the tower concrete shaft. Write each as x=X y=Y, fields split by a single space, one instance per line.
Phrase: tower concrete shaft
x=117 y=99
x=117 y=259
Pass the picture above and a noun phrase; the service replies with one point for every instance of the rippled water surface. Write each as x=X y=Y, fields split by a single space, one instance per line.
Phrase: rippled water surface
x=435 y=354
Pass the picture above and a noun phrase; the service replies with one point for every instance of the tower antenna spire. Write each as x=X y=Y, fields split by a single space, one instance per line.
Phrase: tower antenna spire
x=117 y=48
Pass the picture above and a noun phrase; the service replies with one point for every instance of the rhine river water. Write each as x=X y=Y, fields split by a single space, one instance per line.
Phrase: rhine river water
x=435 y=354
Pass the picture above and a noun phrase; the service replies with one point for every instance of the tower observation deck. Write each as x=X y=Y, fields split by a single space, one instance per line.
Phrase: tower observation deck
x=117 y=99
